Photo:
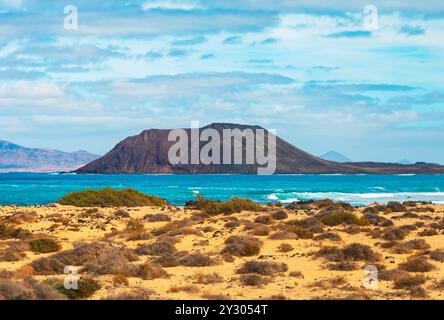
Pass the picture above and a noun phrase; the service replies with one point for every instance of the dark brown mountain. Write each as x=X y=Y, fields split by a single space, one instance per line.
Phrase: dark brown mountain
x=148 y=153
x=15 y=158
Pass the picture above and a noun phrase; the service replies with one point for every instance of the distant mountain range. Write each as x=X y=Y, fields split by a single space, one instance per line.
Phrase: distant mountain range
x=16 y=158
x=147 y=152
x=335 y=157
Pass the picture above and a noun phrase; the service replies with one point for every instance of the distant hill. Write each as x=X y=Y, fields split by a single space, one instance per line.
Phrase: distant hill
x=335 y=157
x=405 y=161
x=15 y=158
x=147 y=152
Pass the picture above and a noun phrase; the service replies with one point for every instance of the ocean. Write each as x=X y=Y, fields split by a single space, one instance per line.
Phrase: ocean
x=43 y=188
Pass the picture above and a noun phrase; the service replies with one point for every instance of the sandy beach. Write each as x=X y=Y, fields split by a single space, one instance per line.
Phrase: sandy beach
x=172 y=252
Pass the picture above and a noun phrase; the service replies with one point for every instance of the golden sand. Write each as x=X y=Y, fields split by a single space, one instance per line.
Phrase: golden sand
x=71 y=225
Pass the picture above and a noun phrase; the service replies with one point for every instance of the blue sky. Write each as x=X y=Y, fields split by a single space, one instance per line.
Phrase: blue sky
x=313 y=72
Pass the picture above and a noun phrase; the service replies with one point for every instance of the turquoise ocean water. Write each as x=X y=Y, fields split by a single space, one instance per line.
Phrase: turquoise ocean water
x=30 y=188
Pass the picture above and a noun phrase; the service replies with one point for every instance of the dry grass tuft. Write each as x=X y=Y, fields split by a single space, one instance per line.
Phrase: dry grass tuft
x=243 y=246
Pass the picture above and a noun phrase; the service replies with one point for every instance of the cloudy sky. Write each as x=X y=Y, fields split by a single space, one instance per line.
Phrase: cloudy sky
x=314 y=72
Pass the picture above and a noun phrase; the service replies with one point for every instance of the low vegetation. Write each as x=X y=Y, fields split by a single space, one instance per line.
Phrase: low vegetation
x=214 y=207
x=109 y=197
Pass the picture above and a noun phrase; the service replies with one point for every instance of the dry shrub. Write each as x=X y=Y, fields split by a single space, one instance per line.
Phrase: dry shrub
x=261 y=230
x=208 y=278
x=243 y=246
x=352 y=252
x=136 y=294
x=121 y=213
x=296 y=274
x=7 y=231
x=328 y=236
x=196 y=260
x=391 y=274
x=134 y=226
x=342 y=266
x=336 y=218
x=146 y=271
x=44 y=245
x=417 y=264
x=285 y=247
x=391 y=234
x=335 y=282
x=279 y=215
x=212 y=296
x=172 y=228
x=156 y=248
x=158 y=217
x=408 y=246
x=187 y=288
x=283 y=235
x=428 y=233
x=376 y=220
x=409 y=215
x=213 y=207
x=121 y=280
x=437 y=255
x=396 y=206
x=109 y=197
x=407 y=281
x=22 y=217
x=98 y=256
x=254 y=280
x=10 y=255
x=232 y=224
x=264 y=219
x=17 y=288
x=86 y=288
x=266 y=268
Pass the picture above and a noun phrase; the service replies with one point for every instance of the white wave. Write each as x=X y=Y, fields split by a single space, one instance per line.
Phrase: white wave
x=272 y=196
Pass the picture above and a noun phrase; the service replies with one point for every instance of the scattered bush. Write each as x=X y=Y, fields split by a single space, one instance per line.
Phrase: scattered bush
x=109 y=197
x=264 y=219
x=253 y=280
x=279 y=215
x=10 y=255
x=208 y=278
x=283 y=235
x=437 y=255
x=12 y=288
x=285 y=247
x=396 y=206
x=232 y=224
x=196 y=260
x=409 y=281
x=120 y=279
x=137 y=294
x=261 y=230
x=100 y=257
x=243 y=246
x=156 y=248
x=408 y=246
x=86 y=288
x=352 y=252
x=121 y=213
x=328 y=236
x=44 y=245
x=187 y=288
x=158 y=217
x=417 y=264
x=428 y=233
x=23 y=217
x=7 y=231
x=341 y=217
x=213 y=207
x=376 y=220
x=342 y=266
x=265 y=268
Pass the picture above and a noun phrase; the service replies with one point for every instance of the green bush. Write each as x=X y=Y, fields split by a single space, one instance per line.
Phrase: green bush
x=337 y=218
x=85 y=289
x=214 y=207
x=109 y=197
x=44 y=245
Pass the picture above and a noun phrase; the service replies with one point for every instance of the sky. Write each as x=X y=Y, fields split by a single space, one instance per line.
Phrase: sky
x=315 y=71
